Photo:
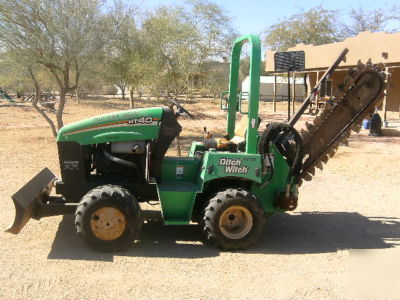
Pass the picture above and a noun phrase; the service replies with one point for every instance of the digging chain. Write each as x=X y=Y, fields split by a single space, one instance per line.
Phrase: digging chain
x=353 y=100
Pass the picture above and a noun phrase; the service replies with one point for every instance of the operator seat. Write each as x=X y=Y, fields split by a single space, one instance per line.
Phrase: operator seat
x=240 y=131
x=238 y=139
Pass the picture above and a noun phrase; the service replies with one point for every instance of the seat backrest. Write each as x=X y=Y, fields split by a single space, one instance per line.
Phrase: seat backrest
x=241 y=128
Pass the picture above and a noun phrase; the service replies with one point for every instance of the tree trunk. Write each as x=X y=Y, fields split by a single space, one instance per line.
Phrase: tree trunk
x=178 y=146
x=131 y=100
x=122 y=92
x=77 y=96
x=60 y=110
x=38 y=109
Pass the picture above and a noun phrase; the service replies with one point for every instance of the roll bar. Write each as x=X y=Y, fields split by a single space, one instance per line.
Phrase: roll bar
x=254 y=93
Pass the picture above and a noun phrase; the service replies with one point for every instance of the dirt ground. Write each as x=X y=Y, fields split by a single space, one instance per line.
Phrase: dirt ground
x=342 y=241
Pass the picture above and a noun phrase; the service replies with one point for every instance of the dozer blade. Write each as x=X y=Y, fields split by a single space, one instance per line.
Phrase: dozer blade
x=30 y=197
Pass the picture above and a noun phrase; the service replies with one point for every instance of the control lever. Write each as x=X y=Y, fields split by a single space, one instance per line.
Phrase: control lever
x=206 y=134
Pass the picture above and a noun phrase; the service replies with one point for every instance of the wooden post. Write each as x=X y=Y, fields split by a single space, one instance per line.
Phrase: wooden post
x=274 y=95
x=294 y=93
x=317 y=96
x=385 y=95
x=131 y=100
x=289 y=94
x=308 y=84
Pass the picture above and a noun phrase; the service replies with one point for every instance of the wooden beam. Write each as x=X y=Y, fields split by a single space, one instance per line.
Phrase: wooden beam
x=308 y=83
x=274 y=96
x=294 y=92
x=385 y=95
x=317 y=96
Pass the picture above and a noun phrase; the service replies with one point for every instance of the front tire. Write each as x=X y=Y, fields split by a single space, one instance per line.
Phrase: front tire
x=234 y=220
x=108 y=218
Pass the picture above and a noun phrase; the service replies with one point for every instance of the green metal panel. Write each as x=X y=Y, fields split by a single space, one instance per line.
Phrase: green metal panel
x=196 y=146
x=177 y=201
x=254 y=94
x=135 y=124
x=277 y=183
x=178 y=188
x=179 y=169
x=228 y=164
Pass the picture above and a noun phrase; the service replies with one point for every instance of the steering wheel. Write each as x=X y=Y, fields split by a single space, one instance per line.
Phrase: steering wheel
x=181 y=109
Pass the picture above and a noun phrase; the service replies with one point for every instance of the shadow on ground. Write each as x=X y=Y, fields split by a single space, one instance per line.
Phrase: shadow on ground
x=300 y=233
x=390 y=132
x=26 y=106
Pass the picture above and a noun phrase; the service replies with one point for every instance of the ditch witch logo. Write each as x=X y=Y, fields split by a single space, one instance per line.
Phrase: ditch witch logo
x=233 y=166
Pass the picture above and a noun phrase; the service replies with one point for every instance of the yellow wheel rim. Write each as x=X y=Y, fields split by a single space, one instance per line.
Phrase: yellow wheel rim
x=108 y=223
x=236 y=222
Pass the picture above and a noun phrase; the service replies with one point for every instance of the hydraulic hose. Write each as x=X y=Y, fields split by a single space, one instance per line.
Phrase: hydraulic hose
x=275 y=133
x=121 y=161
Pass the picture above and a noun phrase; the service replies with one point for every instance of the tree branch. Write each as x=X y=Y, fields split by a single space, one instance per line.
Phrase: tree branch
x=36 y=99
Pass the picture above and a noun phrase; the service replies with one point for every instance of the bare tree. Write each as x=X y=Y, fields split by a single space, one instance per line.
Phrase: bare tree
x=362 y=19
x=315 y=26
x=121 y=51
x=61 y=35
x=36 y=99
x=185 y=39
x=323 y=26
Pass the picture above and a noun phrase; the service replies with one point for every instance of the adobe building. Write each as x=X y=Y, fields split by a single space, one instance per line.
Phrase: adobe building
x=380 y=47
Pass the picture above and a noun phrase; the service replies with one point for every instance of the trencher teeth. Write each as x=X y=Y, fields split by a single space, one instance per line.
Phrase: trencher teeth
x=325 y=125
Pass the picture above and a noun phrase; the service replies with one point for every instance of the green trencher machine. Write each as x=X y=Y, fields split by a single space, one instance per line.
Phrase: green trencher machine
x=111 y=163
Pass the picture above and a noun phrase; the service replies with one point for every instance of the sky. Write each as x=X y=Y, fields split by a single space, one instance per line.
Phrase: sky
x=252 y=16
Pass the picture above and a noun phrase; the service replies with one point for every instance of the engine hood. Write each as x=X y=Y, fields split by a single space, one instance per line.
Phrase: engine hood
x=127 y=125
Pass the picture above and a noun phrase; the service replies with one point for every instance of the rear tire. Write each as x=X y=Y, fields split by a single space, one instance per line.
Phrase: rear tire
x=234 y=220
x=108 y=218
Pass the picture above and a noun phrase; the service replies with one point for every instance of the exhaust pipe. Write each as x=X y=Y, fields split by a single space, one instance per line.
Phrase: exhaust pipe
x=30 y=198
